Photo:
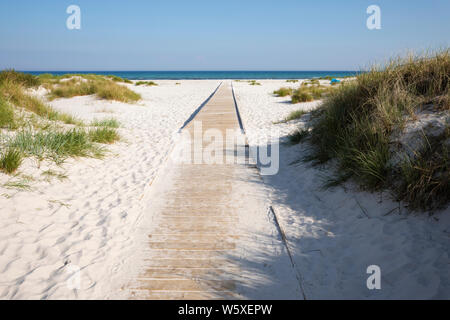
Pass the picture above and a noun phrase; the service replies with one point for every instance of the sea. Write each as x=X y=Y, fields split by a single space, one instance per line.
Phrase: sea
x=200 y=75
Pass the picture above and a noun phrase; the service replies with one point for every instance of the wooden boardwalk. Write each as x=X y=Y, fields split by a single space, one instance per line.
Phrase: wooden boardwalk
x=200 y=240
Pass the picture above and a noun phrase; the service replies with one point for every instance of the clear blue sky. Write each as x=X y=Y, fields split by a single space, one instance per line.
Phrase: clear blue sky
x=215 y=35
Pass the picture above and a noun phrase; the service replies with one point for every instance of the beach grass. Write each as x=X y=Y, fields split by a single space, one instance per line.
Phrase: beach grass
x=110 y=123
x=14 y=94
x=355 y=123
x=283 y=92
x=10 y=160
x=294 y=115
x=104 y=135
x=7 y=119
x=84 y=85
x=146 y=83
x=55 y=145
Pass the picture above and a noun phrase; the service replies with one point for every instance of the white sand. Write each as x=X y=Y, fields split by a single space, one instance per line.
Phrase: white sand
x=333 y=240
x=93 y=220
x=89 y=220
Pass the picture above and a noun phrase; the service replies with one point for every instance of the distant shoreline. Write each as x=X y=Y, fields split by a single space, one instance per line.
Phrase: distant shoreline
x=209 y=75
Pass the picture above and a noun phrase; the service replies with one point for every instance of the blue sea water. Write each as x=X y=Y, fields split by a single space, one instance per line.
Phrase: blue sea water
x=185 y=75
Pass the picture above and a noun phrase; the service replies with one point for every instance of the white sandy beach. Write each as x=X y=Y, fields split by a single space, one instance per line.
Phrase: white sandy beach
x=89 y=220
x=92 y=219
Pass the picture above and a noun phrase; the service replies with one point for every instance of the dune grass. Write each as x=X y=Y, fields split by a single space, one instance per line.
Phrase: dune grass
x=355 y=122
x=146 y=83
x=89 y=85
x=283 y=92
x=292 y=81
x=119 y=79
x=254 y=83
x=294 y=115
x=10 y=160
x=13 y=93
x=307 y=94
x=104 y=135
x=24 y=79
x=55 y=145
x=110 y=123
x=7 y=119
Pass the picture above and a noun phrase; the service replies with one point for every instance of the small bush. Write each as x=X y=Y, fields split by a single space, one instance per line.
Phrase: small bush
x=283 y=92
x=292 y=81
x=301 y=96
x=10 y=160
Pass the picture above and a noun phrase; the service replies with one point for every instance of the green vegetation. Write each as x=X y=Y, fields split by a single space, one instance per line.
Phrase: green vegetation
x=110 y=123
x=24 y=79
x=292 y=81
x=104 y=135
x=355 y=123
x=103 y=88
x=119 y=79
x=13 y=93
x=55 y=145
x=294 y=115
x=254 y=83
x=146 y=83
x=36 y=129
x=7 y=119
x=306 y=94
x=10 y=160
x=283 y=92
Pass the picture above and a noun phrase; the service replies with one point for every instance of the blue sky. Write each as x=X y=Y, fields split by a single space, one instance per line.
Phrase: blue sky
x=216 y=35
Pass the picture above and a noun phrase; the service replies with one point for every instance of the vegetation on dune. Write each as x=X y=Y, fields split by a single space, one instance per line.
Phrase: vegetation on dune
x=7 y=119
x=55 y=145
x=104 y=89
x=110 y=123
x=36 y=129
x=254 y=83
x=292 y=81
x=12 y=92
x=307 y=94
x=103 y=135
x=146 y=83
x=294 y=115
x=355 y=124
x=10 y=160
x=283 y=92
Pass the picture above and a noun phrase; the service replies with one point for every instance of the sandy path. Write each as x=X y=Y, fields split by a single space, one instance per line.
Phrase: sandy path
x=209 y=235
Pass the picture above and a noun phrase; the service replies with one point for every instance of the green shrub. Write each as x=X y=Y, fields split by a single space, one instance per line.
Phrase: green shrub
x=283 y=92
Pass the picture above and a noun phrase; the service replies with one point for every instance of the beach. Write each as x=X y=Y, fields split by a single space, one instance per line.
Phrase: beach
x=91 y=221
